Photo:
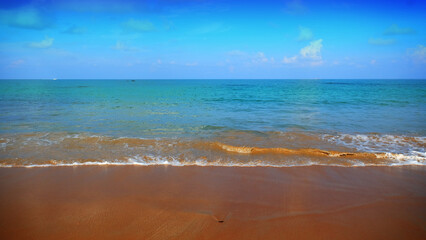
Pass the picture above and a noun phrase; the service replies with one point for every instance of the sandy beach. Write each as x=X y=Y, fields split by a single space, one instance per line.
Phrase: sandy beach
x=163 y=202
x=211 y=119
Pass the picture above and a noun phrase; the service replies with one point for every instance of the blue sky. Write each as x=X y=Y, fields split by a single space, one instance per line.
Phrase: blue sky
x=177 y=39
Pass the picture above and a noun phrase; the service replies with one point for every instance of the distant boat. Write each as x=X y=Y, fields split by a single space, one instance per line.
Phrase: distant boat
x=54 y=79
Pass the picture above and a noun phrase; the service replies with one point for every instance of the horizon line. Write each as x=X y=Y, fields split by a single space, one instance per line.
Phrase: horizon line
x=142 y=79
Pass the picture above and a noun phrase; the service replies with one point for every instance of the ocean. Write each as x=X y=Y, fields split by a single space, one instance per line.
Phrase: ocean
x=277 y=123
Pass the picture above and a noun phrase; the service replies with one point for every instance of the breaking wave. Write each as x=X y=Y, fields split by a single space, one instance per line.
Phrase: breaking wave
x=233 y=149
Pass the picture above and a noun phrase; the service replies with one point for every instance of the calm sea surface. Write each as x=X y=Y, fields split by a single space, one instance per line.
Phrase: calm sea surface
x=374 y=116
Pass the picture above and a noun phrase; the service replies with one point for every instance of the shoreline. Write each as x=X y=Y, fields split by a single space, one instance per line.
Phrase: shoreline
x=191 y=202
x=235 y=148
x=171 y=164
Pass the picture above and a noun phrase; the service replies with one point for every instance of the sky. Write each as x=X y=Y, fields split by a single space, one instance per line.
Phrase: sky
x=212 y=39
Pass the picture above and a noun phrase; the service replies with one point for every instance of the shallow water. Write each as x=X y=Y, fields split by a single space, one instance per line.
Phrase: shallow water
x=188 y=122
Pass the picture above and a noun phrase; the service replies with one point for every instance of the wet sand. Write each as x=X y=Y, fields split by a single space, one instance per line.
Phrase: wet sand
x=163 y=202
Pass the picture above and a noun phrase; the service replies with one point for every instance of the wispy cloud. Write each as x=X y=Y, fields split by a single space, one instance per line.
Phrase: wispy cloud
x=75 y=30
x=260 y=58
x=98 y=6
x=122 y=47
x=191 y=64
x=16 y=63
x=305 y=34
x=251 y=58
x=134 y=25
x=381 y=41
x=295 y=7
x=396 y=30
x=28 y=18
x=310 y=54
x=313 y=50
x=215 y=27
x=419 y=53
x=237 y=53
x=46 y=43
x=289 y=60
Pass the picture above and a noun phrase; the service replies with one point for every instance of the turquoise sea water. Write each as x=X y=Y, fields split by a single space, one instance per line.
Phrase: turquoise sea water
x=360 y=115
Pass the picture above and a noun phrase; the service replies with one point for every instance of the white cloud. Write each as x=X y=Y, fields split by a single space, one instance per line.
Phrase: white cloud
x=138 y=26
x=237 y=53
x=122 y=47
x=310 y=54
x=260 y=57
x=28 y=18
x=316 y=63
x=16 y=63
x=313 y=50
x=419 y=53
x=381 y=41
x=255 y=58
x=215 y=27
x=305 y=34
x=97 y=6
x=46 y=43
x=288 y=60
x=396 y=30
x=295 y=7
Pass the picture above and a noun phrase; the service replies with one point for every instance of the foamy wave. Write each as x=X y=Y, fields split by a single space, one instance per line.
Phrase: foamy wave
x=398 y=160
x=293 y=149
x=375 y=142
x=402 y=159
x=178 y=164
x=400 y=148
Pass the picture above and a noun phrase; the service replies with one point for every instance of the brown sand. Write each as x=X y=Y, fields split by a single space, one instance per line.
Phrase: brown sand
x=163 y=202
